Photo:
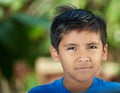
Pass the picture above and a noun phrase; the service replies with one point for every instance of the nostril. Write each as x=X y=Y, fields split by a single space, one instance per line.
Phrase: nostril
x=84 y=59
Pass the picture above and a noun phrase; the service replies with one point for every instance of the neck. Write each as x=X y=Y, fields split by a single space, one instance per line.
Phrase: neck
x=77 y=86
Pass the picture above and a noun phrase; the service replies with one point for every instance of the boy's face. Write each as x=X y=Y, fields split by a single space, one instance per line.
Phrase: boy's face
x=80 y=54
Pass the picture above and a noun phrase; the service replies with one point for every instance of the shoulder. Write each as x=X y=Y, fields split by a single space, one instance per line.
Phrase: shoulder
x=108 y=86
x=42 y=88
x=46 y=88
x=36 y=89
x=104 y=83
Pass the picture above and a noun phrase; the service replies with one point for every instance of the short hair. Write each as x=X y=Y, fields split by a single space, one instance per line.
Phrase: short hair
x=71 y=18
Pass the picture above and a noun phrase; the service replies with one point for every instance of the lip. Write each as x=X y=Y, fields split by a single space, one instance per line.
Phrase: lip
x=83 y=68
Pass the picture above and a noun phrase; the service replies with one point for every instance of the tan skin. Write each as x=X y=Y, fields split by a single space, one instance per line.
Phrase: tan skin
x=80 y=54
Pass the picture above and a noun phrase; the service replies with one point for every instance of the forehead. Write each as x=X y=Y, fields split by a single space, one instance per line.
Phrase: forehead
x=84 y=36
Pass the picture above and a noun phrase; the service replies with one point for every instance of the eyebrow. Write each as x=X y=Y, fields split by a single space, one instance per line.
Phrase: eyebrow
x=93 y=43
x=73 y=44
x=70 y=44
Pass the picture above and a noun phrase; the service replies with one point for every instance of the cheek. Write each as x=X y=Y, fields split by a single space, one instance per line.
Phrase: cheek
x=66 y=60
x=96 y=59
x=97 y=55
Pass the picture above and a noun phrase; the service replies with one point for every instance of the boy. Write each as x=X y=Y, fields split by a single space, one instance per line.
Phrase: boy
x=78 y=41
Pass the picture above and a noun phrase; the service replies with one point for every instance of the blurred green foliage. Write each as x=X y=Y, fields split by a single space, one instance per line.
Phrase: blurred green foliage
x=22 y=37
x=25 y=24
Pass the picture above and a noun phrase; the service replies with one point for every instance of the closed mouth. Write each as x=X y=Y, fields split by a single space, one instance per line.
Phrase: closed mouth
x=83 y=68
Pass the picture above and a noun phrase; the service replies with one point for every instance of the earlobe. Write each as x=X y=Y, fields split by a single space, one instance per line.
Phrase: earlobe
x=104 y=58
x=54 y=53
x=104 y=55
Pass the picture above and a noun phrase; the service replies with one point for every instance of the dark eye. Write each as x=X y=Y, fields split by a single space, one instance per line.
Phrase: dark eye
x=92 y=47
x=71 y=48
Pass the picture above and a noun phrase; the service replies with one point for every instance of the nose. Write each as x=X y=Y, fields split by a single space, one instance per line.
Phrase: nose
x=84 y=59
x=83 y=56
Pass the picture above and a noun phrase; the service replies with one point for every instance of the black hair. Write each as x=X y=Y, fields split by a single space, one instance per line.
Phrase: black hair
x=71 y=18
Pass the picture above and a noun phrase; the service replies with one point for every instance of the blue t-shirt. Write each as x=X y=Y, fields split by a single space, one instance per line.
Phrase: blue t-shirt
x=98 y=86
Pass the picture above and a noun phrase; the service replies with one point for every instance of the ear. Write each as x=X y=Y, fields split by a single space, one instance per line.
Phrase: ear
x=105 y=54
x=54 y=53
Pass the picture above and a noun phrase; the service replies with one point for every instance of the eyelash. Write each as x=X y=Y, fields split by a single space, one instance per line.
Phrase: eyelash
x=71 y=48
x=89 y=47
x=92 y=47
